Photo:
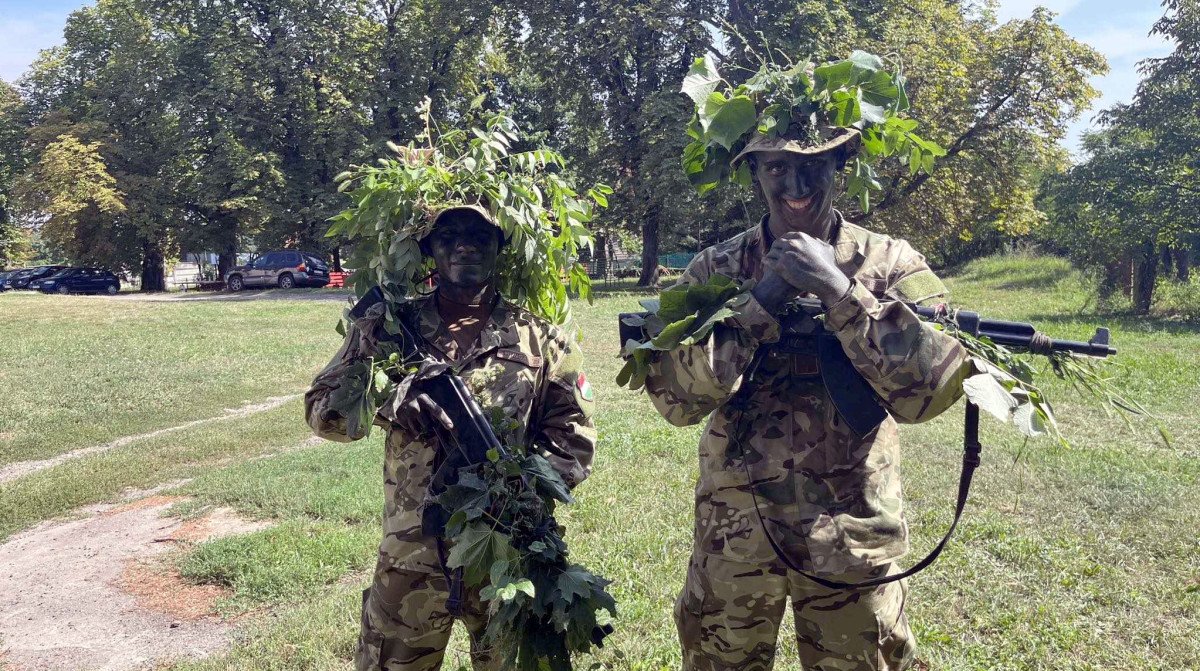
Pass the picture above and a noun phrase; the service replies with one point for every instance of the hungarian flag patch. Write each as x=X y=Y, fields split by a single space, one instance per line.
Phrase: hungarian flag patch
x=584 y=387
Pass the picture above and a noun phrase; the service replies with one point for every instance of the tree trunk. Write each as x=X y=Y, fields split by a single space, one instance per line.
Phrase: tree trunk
x=226 y=260
x=1145 y=275
x=600 y=257
x=1110 y=283
x=154 y=272
x=649 y=276
x=337 y=259
x=1183 y=264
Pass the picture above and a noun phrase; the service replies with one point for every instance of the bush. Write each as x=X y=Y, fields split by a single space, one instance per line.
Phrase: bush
x=1178 y=299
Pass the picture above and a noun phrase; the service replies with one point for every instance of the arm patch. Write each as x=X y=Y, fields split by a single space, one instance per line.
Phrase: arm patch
x=919 y=286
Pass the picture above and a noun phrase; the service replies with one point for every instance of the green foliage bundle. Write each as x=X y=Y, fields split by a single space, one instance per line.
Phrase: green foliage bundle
x=527 y=192
x=542 y=608
x=682 y=315
x=854 y=93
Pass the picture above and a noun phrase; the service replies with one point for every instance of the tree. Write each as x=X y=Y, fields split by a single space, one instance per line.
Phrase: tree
x=103 y=94
x=1133 y=199
x=12 y=162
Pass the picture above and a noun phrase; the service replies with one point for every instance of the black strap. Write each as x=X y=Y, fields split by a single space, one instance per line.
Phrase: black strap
x=972 y=450
x=454 y=581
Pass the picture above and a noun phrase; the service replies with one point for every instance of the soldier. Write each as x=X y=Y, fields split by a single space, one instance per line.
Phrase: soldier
x=513 y=361
x=775 y=456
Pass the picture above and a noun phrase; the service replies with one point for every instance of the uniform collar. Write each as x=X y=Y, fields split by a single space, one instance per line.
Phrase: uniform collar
x=500 y=331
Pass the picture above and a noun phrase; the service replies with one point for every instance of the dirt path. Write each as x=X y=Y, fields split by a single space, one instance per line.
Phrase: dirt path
x=96 y=593
x=19 y=469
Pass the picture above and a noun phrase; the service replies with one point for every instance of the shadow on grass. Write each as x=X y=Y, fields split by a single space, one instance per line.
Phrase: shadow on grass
x=1042 y=279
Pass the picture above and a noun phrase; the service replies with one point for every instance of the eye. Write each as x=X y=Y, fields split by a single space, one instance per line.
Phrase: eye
x=776 y=169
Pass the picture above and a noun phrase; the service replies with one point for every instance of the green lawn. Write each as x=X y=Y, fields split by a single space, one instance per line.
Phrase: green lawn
x=1079 y=558
x=78 y=371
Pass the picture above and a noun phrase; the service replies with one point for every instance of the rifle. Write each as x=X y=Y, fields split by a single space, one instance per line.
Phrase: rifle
x=854 y=399
x=472 y=437
x=859 y=407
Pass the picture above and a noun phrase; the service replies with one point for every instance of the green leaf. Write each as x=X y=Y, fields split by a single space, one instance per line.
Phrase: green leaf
x=846 y=109
x=574 y=582
x=701 y=80
x=731 y=120
x=475 y=550
x=866 y=60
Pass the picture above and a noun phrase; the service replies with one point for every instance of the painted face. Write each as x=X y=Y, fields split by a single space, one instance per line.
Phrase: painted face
x=798 y=190
x=464 y=249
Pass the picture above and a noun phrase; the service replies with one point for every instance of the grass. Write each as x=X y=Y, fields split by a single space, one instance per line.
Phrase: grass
x=85 y=370
x=1079 y=558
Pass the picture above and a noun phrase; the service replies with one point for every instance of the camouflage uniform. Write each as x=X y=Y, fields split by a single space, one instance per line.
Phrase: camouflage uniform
x=831 y=499
x=521 y=365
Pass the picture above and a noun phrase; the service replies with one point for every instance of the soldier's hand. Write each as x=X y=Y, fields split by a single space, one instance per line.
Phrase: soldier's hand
x=416 y=414
x=808 y=265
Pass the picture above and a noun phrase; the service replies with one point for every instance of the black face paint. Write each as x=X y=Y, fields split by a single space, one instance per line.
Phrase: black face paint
x=464 y=248
x=798 y=190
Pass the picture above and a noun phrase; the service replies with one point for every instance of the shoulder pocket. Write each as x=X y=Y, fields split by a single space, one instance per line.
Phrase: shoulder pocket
x=919 y=286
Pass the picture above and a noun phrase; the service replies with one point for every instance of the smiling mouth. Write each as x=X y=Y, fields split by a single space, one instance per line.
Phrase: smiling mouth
x=797 y=205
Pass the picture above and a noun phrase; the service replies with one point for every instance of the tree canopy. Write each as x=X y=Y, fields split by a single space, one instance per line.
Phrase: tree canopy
x=222 y=124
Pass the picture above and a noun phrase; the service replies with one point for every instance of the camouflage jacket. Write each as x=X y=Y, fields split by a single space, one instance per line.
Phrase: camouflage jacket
x=521 y=367
x=832 y=499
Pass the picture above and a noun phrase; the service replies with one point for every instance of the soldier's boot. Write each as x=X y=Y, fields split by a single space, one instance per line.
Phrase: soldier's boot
x=728 y=614
x=857 y=630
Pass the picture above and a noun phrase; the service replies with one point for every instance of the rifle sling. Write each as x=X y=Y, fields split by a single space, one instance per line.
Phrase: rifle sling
x=971 y=460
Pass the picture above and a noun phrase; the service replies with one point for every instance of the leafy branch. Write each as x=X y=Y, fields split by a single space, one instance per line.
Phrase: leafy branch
x=529 y=193
x=802 y=100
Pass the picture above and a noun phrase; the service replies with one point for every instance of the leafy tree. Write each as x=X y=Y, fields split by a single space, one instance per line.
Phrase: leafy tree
x=12 y=159
x=104 y=90
x=604 y=76
x=1133 y=199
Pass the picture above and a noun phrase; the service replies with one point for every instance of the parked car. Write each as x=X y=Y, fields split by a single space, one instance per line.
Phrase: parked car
x=22 y=278
x=78 y=281
x=285 y=269
x=4 y=275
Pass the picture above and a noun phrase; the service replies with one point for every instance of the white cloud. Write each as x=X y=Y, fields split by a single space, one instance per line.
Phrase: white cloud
x=1127 y=41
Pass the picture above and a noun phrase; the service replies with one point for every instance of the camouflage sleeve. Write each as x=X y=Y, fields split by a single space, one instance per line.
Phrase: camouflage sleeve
x=566 y=436
x=916 y=370
x=689 y=382
x=326 y=422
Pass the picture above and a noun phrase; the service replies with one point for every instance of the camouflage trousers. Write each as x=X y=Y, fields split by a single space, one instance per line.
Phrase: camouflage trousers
x=406 y=624
x=729 y=613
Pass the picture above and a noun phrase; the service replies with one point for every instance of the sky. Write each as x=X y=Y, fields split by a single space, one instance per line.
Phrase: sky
x=1117 y=28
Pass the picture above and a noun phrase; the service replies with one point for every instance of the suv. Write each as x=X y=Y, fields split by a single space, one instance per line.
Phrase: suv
x=78 y=280
x=284 y=269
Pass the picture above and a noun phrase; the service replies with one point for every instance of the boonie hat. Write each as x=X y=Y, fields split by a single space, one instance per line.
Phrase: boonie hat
x=798 y=140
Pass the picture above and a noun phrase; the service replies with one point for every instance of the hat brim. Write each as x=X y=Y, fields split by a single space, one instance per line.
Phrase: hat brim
x=479 y=210
x=839 y=137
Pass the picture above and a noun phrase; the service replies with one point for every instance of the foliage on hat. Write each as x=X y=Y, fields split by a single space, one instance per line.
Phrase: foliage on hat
x=802 y=99
x=529 y=194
